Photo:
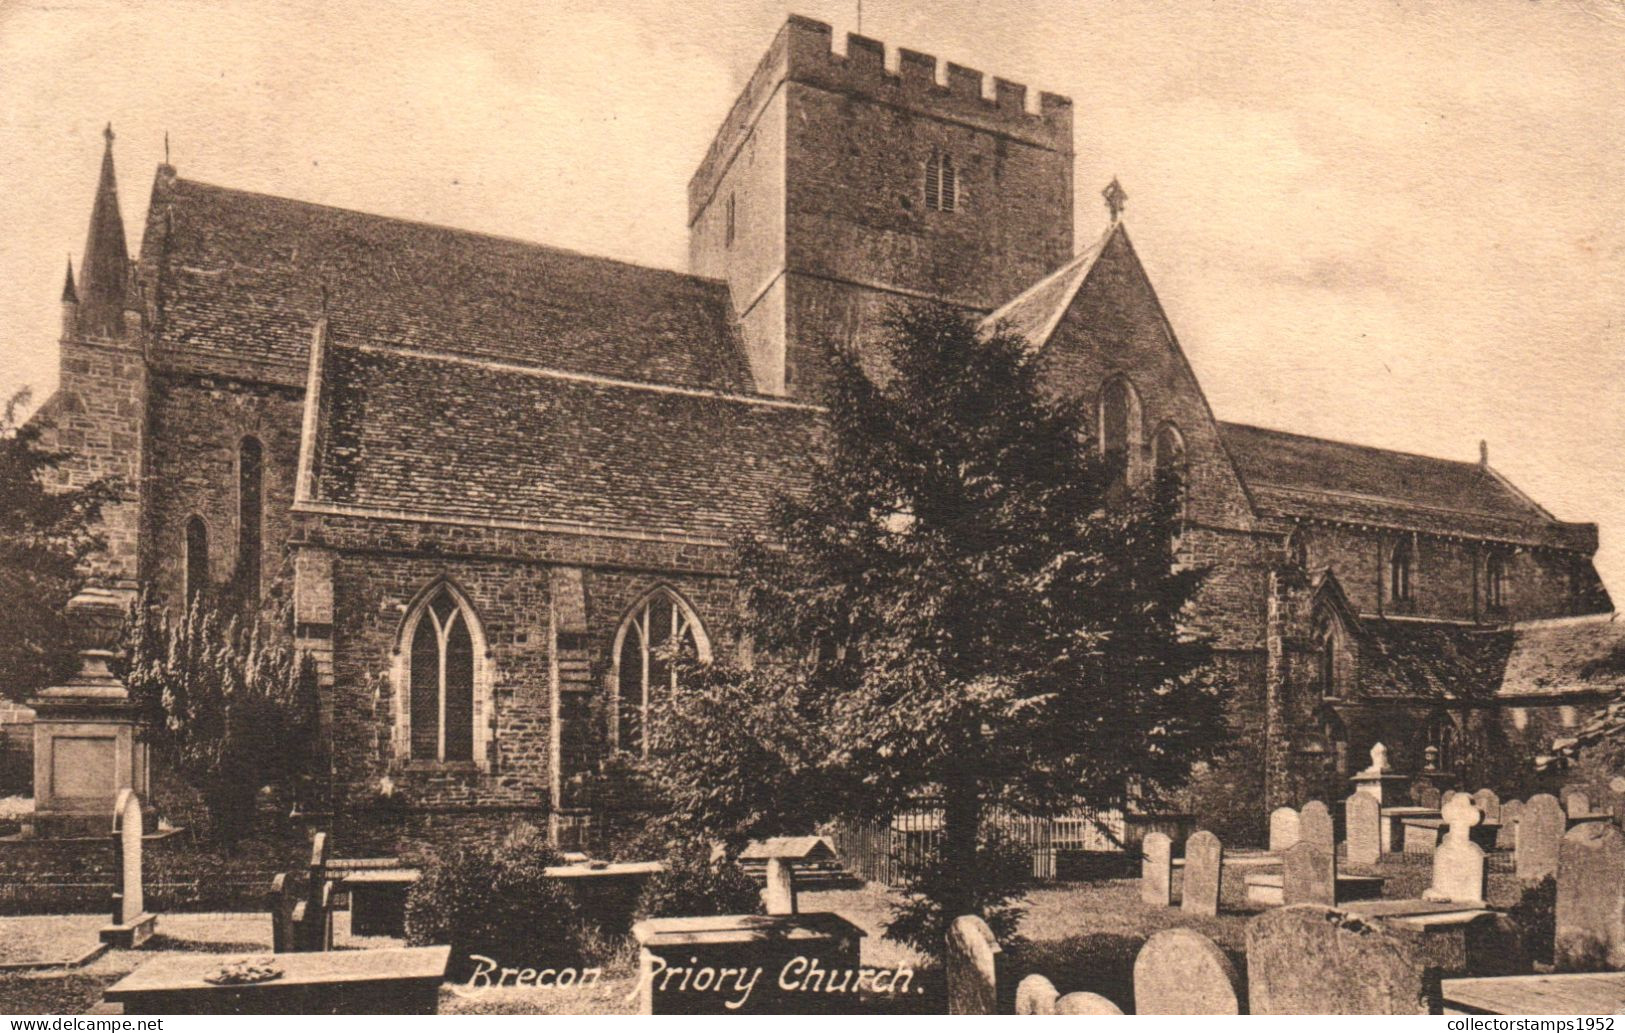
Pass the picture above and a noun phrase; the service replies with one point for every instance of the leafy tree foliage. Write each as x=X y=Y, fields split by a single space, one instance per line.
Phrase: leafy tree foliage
x=966 y=606
x=46 y=532
x=228 y=706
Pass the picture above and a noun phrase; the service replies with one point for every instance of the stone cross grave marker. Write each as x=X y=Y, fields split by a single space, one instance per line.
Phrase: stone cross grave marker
x=1036 y=995
x=1541 y=825
x=1591 y=898
x=1182 y=972
x=131 y=925
x=1082 y=1003
x=1157 y=870
x=1489 y=804
x=1507 y=837
x=1576 y=801
x=1311 y=960
x=1204 y=869
x=1362 y=825
x=1315 y=826
x=973 y=967
x=313 y=916
x=1284 y=828
x=1458 y=863
x=1309 y=875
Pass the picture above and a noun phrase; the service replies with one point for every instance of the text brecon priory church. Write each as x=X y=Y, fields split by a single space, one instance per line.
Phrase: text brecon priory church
x=495 y=475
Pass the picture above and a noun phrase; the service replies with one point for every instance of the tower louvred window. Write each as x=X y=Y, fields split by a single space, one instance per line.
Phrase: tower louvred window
x=941 y=183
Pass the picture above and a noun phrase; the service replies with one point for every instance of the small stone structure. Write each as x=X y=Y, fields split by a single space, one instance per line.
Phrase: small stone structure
x=1284 y=829
x=1541 y=825
x=132 y=925
x=1309 y=875
x=1182 y=972
x=1591 y=898
x=1036 y=995
x=1315 y=960
x=1362 y=823
x=1458 y=863
x=1157 y=870
x=1204 y=872
x=972 y=963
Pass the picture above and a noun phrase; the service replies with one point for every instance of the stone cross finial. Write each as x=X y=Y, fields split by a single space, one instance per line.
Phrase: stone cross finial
x=107 y=134
x=1379 y=759
x=1115 y=197
x=1461 y=814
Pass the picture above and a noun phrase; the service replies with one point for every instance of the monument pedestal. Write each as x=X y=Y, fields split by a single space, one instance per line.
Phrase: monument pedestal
x=131 y=934
x=85 y=747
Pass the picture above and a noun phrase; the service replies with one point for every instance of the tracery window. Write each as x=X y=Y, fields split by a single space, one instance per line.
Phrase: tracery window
x=1399 y=572
x=440 y=679
x=653 y=635
x=1119 y=424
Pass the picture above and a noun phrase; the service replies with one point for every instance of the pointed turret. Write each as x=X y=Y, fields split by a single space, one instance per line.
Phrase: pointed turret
x=70 y=303
x=104 y=273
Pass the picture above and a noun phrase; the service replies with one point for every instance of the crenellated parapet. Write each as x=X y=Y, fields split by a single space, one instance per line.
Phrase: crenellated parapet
x=803 y=52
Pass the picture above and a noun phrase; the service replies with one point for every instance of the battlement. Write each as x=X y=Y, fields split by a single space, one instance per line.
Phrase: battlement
x=803 y=52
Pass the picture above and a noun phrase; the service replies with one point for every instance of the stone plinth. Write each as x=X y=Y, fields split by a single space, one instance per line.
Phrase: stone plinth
x=751 y=965
x=85 y=747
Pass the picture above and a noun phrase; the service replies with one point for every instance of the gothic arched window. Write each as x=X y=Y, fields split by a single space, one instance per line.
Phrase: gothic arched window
x=1440 y=738
x=1495 y=581
x=250 y=508
x=1399 y=572
x=440 y=675
x=1297 y=548
x=1326 y=662
x=654 y=633
x=1168 y=462
x=1120 y=424
x=196 y=575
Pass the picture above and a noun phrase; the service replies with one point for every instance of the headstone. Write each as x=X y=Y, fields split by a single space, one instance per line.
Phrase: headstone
x=1362 y=823
x=280 y=902
x=1204 y=868
x=1576 y=801
x=1458 y=862
x=1616 y=799
x=1036 y=995
x=1309 y=875
x=973 y=967
x=1182 y=972
x=1081 y=1003
x=1315 y=826
x=779 y=894
x=1283 y=829
x=313 y=916
x=1507 y=837
x=1541 y=825
x=131 y=925
x=1489 y=804
x=1312 y=960
x=1425 y=794
x=1591 y=898
x=1157 y=870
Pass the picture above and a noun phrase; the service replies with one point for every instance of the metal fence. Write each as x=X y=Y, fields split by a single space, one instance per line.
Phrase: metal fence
x=883 y=850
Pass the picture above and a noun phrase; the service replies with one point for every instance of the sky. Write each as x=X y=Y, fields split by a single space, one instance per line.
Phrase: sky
x=1400 y=224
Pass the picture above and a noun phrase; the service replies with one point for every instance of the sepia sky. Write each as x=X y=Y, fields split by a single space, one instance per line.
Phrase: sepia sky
x=1401 y=224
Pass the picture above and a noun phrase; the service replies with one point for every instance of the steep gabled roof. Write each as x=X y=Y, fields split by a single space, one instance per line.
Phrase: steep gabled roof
x=241 y=277
x=1295 y=476
x=456 y=438
x=1037 y=311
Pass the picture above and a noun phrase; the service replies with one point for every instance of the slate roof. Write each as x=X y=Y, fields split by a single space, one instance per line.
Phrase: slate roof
x=459 y=438
x=1037 y=311
x=1566 y=655
x=239 y=279
x=1434 y=659
x=1292 y=475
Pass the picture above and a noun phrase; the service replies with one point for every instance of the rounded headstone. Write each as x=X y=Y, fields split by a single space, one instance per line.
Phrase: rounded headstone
x=1157 y=870
x=1284 y=828
x=1036 y=995
x=1315 y=826
x=1204 y=869
x=1362 y=828
x=1591 y=898
x=972 y=964
x=1182 y=972
x=1082 y=1003
x=1541 y=825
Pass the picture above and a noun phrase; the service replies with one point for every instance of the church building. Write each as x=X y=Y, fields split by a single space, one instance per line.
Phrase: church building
x=494 y=476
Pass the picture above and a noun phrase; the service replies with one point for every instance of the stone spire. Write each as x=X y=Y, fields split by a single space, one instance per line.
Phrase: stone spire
x=70 y=296
x=104 y=271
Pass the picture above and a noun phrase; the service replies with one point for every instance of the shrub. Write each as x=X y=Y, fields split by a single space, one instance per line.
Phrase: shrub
x=497 y=902
x=922 y=922
x=1535 y=914
x=696 y=884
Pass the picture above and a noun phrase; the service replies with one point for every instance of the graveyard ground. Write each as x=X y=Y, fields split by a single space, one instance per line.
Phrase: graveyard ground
x=1084 y=936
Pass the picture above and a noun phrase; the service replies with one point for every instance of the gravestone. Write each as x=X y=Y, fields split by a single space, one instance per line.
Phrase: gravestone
x=1489 y=804
x=1458 y=862
x=1204 y=868
x=1036 y=995
x=779 y=893
x=1362 y=824
x=1283 y=829
x=1081 y=1003
x=973 y=967
x=1315 y=826
x=1425 y=794
x=1541 y=825
x=1506 y=838
x=1309 y=875
x=1591 y=898
x=1182 y=972
x=131 y=925
x=313 y=916
x=280 y=902
x=1616 y=799
x=1576 y=801
x=1313 y=960
x=1157 y=870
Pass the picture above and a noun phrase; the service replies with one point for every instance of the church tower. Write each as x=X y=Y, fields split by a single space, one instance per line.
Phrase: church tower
x=837 y=186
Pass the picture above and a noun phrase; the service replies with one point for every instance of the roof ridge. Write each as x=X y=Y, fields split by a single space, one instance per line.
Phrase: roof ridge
x=1388 y=499
x=1351 y=444
x=447 y=228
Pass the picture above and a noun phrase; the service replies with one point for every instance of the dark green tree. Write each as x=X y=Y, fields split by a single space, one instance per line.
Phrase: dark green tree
x=47 y=531
x=966 y=605
x=231 y=707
